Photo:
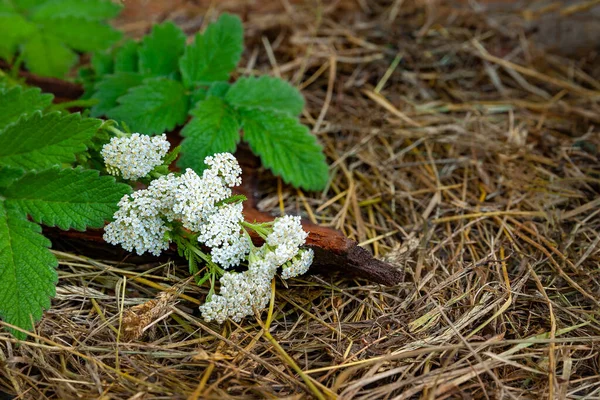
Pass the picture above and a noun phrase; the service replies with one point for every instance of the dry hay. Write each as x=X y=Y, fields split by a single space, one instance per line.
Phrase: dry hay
x=459 y=152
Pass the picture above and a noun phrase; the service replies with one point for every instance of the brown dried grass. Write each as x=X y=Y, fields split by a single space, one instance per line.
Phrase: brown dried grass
x=459 y=152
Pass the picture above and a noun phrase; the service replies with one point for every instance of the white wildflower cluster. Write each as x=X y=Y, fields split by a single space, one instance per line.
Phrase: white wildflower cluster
x=242 y=293
x=299 y=264
x=286 y=238
x=135 y=156
x=196 y=197
x=140 y=222
x=223 y=232
x=204 y=206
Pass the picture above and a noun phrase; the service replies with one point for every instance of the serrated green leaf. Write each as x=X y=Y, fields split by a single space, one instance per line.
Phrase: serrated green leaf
x=198 y=95
x=14 y=29
x=82 y=35
x=67 y=198
x=17 y=102
x=42 y=141
x=126 y=57
x=214 y=129
x=6 y=6
x=103 y=63
x=110 y=88
x=266 y=93
x=93 y=10
x=27 y=270
x=8 y=175
x=286 y=147
x=46 y=55
x=157 y=106
x=214 y=54
x=87 y=78
x=26 y=5
x=218 y=89
x=161 y=49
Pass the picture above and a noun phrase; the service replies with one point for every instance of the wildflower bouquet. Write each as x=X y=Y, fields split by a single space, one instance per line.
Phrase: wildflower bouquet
x=204 y=219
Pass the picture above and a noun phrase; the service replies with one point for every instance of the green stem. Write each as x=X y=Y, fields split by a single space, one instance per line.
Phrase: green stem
x=75 y=103
x=261 y=229
x=117 y=132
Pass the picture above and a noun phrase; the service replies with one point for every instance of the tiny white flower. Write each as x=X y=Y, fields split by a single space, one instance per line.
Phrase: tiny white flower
x=242 y=292
x=222 y=231
x=286 y=238
x=195 y=197
x=299 y=264
x=135 y=156
x=137 y=225
x=226 y=166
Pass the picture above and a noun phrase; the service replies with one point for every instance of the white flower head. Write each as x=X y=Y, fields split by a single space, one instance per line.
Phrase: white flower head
x=299 y=264
x=286 y=238
x=135 y=156
x=241 y=293
x=222 y=231
x=225 y=166
x=195 y=198
x=137 y=225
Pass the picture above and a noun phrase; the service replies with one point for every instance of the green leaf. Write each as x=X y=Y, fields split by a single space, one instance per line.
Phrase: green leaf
x=161 y=49
x=214 y=54
x=266 y=93
x=14 y=29
x=103 y=63
x=27 y=270
x=110 y=88
x=46 y=55
x=126 y=57
x=87 y=78
x=93 y=10
x=82 y=35
x=286 y=147
x=17 y=102
x=6 y=6
x=26 y=5
x=8 y=175
x=218 y=89
x=42 y=141
x=158 y=106
x=214 y=129
x=67 y=198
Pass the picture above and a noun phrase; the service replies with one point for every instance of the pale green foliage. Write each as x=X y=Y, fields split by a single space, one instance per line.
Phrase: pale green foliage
x=194 y=80
x=48 y=32
x=160 y=50
x=67 y=198
x=35 y=183
x=157 y=106
x=214 y=54
x=214 y=129
x=27 y=270
x=111 y=88
x=286 y=147
x=18 y=102
x=265 y=93
x=42 y=141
